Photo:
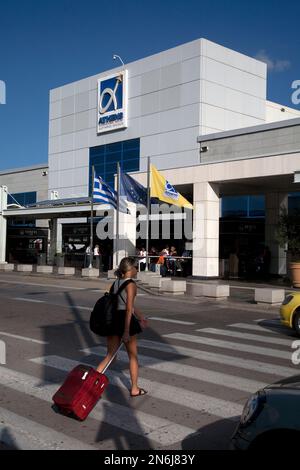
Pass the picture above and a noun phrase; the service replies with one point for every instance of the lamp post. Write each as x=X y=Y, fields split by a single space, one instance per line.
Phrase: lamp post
x=115 y=57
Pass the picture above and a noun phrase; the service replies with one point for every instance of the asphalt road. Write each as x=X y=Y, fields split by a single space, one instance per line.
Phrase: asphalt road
x=199 y=361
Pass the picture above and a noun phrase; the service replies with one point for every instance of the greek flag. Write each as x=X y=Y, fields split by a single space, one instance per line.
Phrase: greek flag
x=104 y=194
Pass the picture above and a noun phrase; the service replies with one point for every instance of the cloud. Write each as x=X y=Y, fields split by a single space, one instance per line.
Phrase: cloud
x=274 y=65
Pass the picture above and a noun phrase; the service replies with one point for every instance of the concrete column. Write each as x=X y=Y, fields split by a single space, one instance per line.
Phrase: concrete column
x=55 y=239
x=274 y=203
x=3 y=223
x=206 y=230
x=59 y=236
x=127 y=236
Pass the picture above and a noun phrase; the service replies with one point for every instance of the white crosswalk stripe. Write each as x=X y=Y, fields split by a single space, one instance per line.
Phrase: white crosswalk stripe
x=247 y=336
x=271 y=321
x=262 y=329
x=169 y=320
x=22 y=338
x=176 y=395
x=230 y=345
x=234 y=361
x=184 y=370
x=24 y=299
x=155 y=428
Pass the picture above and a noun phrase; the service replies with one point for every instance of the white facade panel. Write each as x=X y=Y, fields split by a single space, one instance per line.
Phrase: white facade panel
x=67 y=161
x=81 y=176
x=82 y=86
x=55 y=94
x=82 y=102
x=93 y=99
x=55 y=110
x=233 y=100
x=170 y=142
x=231 y=77
x=170 y=98
x=68 y=90
x=167 y=121
x=54 y=161
x=233 y=58
x=190 y=49
x=190 y=70
x=277 y=112
x=81 y=157
x=54 y=127
x=149 y=104
x=54 y=180
x=68 y=106
x=68 y=124
x=81 y=139
x=134 y=86
x=171 y=75
x=172 y=160
x=67 y=142
x=54 y=145
x=150 y=81
x=82 y=121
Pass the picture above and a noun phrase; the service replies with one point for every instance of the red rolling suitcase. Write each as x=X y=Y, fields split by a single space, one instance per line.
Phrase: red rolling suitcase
x=81 y=390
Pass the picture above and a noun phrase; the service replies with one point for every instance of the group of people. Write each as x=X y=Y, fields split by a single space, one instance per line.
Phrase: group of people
x=96 y=256
x=251 y=264
x=165 y=261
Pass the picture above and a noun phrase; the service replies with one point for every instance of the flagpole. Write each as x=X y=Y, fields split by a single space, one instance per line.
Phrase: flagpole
x=118 y=214
x=92 y=219
x=148 y=212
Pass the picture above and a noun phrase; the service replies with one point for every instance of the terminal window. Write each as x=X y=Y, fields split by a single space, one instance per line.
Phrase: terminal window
x=105 y=158
x=23 y=199
x=243 y=206
x=294 y=202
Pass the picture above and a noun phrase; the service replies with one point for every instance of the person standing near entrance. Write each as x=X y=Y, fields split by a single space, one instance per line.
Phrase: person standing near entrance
x=142 y=261
x=97 y=256
x=128 y=322
x=87 y=257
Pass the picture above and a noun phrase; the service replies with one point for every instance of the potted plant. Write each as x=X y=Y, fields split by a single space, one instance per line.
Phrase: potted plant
x=288 y=234
x=60 y=260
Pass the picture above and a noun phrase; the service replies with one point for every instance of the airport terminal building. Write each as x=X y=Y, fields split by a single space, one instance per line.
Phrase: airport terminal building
x=201 y=113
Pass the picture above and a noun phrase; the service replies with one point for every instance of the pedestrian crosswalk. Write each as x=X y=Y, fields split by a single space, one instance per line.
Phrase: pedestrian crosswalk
x=246 y=336
x=192 y=378
x=230 y=345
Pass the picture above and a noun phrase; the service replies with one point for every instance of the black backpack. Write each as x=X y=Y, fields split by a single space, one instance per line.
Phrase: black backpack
x=101 y=320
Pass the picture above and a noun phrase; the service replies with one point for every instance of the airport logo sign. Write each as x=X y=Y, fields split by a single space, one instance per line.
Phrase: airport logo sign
x=170 y=191
x=112 y=102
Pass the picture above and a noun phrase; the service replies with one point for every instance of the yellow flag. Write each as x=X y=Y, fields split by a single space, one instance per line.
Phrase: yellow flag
x=164 y=191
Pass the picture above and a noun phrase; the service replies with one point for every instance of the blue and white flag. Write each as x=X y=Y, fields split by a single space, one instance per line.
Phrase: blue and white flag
x=104 y=194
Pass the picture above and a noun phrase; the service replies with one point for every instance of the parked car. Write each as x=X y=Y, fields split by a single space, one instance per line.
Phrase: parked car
x=290 y=311
x=271 y=418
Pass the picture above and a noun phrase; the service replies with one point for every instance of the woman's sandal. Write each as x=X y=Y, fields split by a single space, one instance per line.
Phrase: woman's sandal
x=141 y=392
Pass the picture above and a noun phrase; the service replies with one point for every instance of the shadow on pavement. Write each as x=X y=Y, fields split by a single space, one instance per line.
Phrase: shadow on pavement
x=7 y=440
x=214 y=436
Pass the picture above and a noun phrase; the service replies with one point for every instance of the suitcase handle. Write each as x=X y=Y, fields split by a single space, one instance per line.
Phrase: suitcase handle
x=114 y=355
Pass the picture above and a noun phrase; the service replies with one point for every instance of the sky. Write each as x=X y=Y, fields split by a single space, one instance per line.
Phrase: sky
x=48 y=43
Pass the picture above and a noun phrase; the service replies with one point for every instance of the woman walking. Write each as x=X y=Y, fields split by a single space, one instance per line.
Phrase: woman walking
x=127 y=323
